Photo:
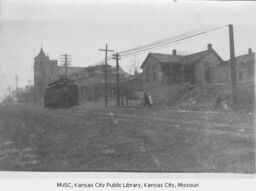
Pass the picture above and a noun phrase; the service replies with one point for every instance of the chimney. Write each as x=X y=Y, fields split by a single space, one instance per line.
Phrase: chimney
x=249 y=51
x=209 y=46
x=174 y=52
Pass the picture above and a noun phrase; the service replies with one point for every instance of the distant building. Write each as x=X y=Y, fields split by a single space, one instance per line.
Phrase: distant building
x=133 y=85
x=244 y=69
x=47 y=71
x=245 y=65
x=91 y=81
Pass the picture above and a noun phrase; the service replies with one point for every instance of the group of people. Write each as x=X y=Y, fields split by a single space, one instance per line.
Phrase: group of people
x=221 y=103
x=124 y=99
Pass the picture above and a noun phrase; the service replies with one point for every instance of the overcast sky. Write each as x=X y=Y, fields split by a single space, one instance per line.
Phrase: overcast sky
x=80 y=28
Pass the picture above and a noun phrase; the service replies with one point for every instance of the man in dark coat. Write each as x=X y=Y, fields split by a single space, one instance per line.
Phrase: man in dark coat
x=122 y=97
x=146 y=99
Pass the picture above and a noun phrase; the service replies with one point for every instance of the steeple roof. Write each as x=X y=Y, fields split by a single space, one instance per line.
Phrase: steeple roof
x=41 y=53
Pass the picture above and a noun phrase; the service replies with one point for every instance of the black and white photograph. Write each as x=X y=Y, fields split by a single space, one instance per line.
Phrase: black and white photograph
x=127 y=86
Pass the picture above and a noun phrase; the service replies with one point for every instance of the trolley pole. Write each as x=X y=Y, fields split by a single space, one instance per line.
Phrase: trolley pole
x=233 y=66
x=106 y=50
x=117 y=58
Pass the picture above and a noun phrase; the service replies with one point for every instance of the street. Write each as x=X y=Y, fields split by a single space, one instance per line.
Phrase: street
x=93 y=138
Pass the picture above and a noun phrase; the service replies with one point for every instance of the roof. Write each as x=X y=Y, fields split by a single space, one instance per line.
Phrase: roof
x=100 y=69
x=41 y=53
x=71 y=69
x=196 y=56
x=167 y=58
x=245 y=57
x=199 y=55
x=133 y=77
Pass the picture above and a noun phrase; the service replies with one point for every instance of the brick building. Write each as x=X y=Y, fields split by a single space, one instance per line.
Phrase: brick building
x=45 y=71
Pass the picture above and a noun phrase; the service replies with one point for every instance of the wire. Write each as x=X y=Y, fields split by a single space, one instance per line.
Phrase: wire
x=170 y=39
x=161 y=43
x=169 y=42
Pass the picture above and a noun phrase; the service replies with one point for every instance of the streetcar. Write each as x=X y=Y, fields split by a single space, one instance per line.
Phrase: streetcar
x=62 y=93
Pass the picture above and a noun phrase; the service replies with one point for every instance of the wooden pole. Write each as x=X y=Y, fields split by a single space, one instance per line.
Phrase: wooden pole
x=106 y=70
x=27 y=94
x=9 y=90
x=66 y=66
x=117 y=57
x=66 y=59
x=106 y=76
x=16 y=81
x=233 y=66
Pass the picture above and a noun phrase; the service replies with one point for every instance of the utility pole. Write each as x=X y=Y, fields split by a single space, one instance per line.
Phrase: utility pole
x=91 y=71
x=183 y=71
x=106 y=70
x=117 y=58
x=233 y=66
x=27 y=94
x=16 y=81
x=9 y=90
x=66 y=59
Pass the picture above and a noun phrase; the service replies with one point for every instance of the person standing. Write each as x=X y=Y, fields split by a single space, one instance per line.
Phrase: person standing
x=122 y=97
x=126 y=97
x=150 y=102
x=146 y=99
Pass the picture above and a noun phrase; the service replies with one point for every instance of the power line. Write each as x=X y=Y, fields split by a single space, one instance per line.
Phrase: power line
x=169 y=42
x=164 y=42
x=164 y=46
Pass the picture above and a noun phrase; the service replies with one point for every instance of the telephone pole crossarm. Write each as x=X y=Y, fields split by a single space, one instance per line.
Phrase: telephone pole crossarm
x=66 y=59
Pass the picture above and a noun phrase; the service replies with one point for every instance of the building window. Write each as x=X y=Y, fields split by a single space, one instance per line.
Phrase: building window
x=154 y=68
x=240 y=75
x=207 y=75
x=147 y=75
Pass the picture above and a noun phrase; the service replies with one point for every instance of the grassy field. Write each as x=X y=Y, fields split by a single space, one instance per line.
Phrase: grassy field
x=92 y=138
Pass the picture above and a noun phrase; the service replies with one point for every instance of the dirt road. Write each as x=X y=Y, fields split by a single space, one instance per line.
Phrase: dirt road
x=125 y=139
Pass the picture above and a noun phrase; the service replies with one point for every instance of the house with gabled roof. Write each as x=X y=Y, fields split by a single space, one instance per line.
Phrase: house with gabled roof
x=244 y=69
x=166 y=74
